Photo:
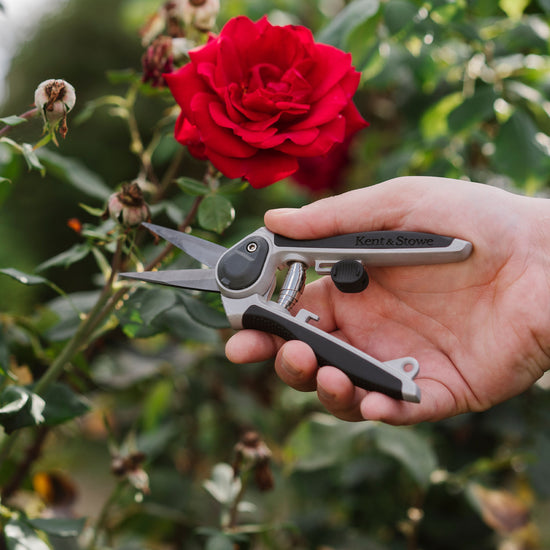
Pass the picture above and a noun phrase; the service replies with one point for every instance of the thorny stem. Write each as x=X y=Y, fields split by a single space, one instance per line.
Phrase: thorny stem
x=26 y=115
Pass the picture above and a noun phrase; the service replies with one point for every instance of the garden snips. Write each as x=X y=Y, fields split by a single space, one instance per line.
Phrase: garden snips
x=245 y=276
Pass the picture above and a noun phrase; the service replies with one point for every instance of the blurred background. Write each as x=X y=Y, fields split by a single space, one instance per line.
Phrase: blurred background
x=456 y=89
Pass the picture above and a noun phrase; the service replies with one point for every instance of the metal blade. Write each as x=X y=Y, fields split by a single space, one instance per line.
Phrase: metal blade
x=206 y=252
x=196 y=279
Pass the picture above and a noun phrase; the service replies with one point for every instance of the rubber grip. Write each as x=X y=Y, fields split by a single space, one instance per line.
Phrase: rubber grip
x=328 y=349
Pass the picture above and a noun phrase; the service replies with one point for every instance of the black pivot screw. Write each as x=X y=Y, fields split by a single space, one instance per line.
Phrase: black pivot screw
x=349 y=276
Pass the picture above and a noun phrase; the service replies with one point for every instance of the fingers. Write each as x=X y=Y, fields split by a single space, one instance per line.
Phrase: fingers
x=379 y=207
x=251 y=346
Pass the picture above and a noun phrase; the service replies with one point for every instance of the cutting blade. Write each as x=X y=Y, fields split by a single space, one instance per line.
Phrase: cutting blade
x=195 y=279
x=206 y=252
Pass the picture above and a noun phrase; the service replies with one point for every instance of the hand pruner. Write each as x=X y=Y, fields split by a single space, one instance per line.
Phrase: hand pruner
x=245 y=276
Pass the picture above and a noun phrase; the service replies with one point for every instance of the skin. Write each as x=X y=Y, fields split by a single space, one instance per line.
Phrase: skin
x=480 y=329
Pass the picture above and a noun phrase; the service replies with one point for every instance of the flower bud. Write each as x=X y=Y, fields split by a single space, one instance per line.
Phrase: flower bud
x=252 y=453
x=128 y=206
x=200 y=14
x=54 y=99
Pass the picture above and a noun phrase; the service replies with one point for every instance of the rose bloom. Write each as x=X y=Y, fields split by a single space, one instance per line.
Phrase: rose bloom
x=258 y=97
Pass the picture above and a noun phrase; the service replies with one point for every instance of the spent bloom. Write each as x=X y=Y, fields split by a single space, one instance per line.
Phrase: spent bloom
x=258 y=98
x=127 y=206
x=251 y=453
x=200 y=14
x=54 y=98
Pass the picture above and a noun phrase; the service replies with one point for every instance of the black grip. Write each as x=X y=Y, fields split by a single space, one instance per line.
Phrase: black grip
x=327 y=349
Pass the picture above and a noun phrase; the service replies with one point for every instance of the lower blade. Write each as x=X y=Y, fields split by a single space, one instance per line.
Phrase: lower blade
x=195 y=279
x=206 y=252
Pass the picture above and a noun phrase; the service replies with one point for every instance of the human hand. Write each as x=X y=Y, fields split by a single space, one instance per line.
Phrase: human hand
x=480 y=329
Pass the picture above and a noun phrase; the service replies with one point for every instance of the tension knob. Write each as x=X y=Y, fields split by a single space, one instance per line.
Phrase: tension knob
x=349 y=276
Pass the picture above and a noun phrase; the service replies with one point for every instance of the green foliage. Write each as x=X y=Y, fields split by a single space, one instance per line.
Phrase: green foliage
x=458 y=89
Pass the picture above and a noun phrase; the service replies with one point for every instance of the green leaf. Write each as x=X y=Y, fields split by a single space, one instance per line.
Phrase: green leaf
x=202 y=313
x=513 y=8
x=193 y=187
x=24 y=278
x=73 y=172
x=233 y=187
x=353 y=15
x=322 y=441
x=13 y=120
x=20 y=536
x=62 y=404
x=412 y=450
x=473 y=110
x=66 y=258
x=215 y=213
x=434 y=121
x=144 y=307
x=27 y=151
x=517 y=153
x=19 y=408
x=399 y=14
x=60 y=527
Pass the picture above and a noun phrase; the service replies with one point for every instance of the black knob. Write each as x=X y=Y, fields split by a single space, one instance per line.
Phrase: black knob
x=349 y=276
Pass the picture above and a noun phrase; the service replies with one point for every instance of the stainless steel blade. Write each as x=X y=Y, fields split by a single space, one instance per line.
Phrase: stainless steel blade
x=195 y=279
x=206 y=252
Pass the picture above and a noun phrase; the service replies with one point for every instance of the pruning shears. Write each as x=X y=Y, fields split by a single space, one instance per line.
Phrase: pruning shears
x=245 y=276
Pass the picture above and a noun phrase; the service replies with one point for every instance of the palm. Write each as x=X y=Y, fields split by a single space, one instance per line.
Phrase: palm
x=440 y=315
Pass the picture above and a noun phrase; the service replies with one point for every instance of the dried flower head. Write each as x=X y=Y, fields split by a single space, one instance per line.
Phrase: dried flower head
x=130 y=467
x=251 y=453
x=157 y=60
x=127 y=206
x=167 y=21
x=54 y=98
x=200 y=14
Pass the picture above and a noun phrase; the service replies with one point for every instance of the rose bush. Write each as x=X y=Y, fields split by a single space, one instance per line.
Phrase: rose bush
x=258 y=97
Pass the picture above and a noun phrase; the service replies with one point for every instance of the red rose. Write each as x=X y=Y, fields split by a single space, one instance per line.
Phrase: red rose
x=259 y=97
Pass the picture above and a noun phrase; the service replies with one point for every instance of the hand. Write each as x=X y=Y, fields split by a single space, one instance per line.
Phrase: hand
x=480 y=329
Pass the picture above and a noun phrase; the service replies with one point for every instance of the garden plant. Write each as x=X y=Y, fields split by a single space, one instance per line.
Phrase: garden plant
x=122 y=424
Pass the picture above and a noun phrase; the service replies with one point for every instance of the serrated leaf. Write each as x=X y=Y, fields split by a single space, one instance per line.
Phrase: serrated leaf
x=73 y=172
x=74 y=254
x=20 y=536
x=13 y=120
x=22 y=277
x=215 y=213
x=193 y=187
x=60 y=527
x=353 y=15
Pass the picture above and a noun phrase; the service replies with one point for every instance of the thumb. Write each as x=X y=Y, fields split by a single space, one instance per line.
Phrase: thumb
x=387 y=205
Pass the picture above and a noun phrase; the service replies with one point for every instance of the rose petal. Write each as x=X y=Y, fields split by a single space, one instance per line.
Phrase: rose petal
x=216 y=137
x=261 y=170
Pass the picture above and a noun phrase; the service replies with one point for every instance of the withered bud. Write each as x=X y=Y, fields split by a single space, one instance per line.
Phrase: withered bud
x=167 y=21
x=251 y=453
x=130 y=467
x=200 y=14
x=157 y=60
x=54 y=99
x=128 y=207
